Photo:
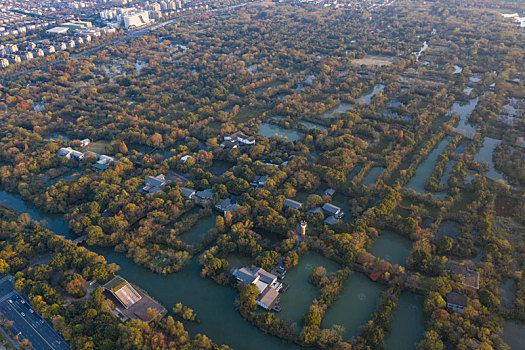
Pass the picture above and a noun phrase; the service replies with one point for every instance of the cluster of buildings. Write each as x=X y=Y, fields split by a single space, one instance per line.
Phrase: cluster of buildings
x=15 y=28
x=66 y=36
x=103 y=161
x=267 y=284
x=237 y=139
x=368 y=5
x=332 y=213
x=154 y=184
x=80 y=31
x=457 y=302
x=51 y=8
x=26 y=51
x=21 y=16
x=145 y=13
x=130 y=17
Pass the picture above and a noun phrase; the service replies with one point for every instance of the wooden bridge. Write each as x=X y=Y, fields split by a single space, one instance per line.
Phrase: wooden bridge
x=80 y=239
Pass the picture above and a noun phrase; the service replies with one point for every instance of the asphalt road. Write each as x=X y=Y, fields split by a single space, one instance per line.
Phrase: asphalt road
x=30 y=325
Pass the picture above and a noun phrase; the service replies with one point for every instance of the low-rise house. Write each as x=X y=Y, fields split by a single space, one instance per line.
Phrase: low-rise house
x=204 y=197
x=38 y=53
x=227 y=144
x=103 y=161
x=187 y=193
x=259 y=181
x=279 y=271
x=258 y=276
x=315 y=210
x=329 y=192
x=331 y=220
x=65 y=152
x=185 y=158
x=77 y=155
x=290 y=203
x=85 y=142
x=26 y=56
x=227 y=205
x=456 y=301
x=268 y=299
x=266 y=283
x=241 y=137
x=333 y=210
x=154 y=184
x=466 y=276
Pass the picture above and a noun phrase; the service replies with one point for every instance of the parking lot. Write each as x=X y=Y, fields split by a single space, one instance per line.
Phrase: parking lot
x=28 y=323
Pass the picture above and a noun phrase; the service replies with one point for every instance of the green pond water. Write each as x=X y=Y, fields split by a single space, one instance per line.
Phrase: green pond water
x=407 y=323
x=300 y=294
x=373 y=175
x=272 y=130
x=464 y=111
x=367 y=98
x=355 y=305
x=425 y=169
x=485 y=155
x=214 y=304
x=392 y=247
x=514 y=335
x=341 y=108
x=446 y=174
x=508 y=293
x=199 y=231
x=354 y=172
x=54 y=222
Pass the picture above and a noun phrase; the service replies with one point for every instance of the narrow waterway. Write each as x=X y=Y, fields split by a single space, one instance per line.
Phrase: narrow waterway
x=408 y=323
x=464 y=111
x=392 y=247
x=301 y=293
x=425 y=169
x=367 y=98
x=514 y=335
x=54 y=222
x=213 y=303
x=418 y=54
x=485 y=154
x=373 y=175
x=354 y=306
x=200 y=231
x=341 y=108
x=272 y=130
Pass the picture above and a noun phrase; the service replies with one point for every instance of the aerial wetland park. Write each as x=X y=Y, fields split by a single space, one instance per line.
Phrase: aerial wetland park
x=232 y=174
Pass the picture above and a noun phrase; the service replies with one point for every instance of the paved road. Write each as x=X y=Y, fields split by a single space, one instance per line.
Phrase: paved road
x=27 y=322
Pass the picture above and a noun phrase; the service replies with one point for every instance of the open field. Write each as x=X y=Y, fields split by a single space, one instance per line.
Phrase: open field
x=374 y=61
